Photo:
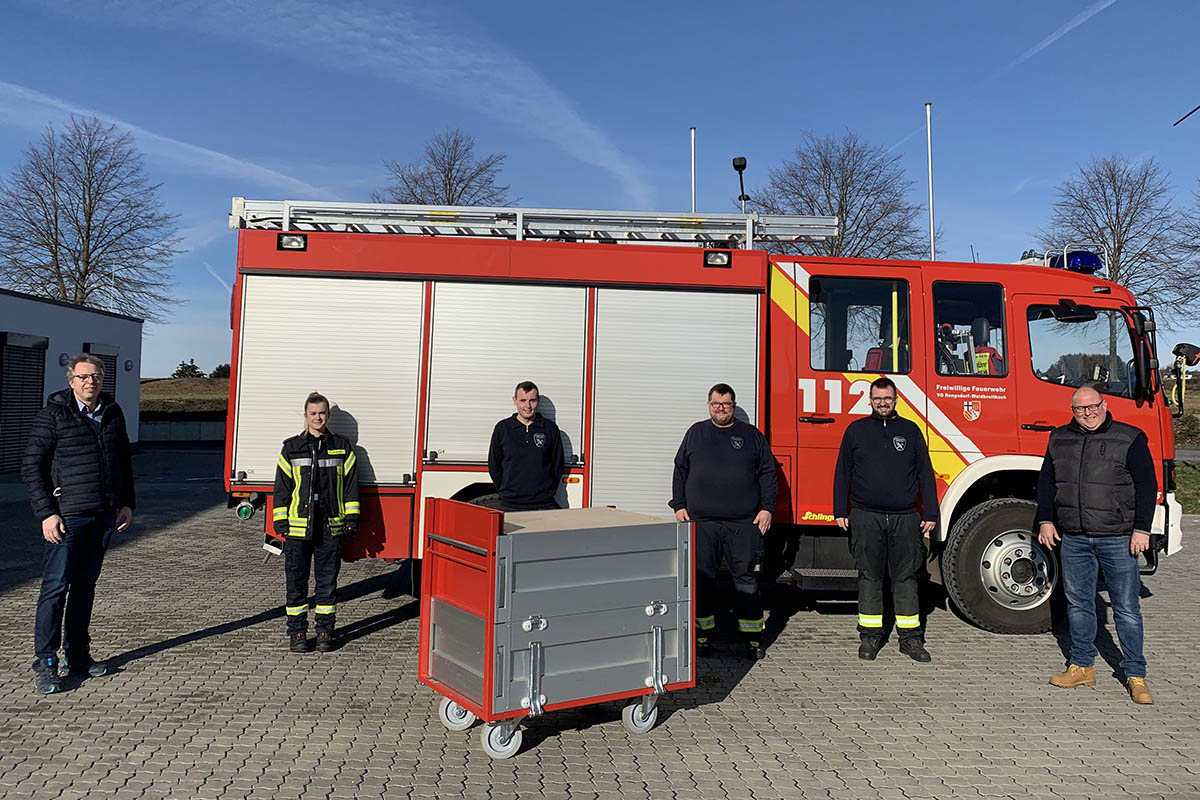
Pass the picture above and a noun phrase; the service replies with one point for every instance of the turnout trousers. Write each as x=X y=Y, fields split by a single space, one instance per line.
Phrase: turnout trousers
x=324 y=552
x=740 y=544
x=888 y=544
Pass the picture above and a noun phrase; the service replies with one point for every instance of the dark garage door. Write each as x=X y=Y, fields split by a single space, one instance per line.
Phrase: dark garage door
x=22 y=381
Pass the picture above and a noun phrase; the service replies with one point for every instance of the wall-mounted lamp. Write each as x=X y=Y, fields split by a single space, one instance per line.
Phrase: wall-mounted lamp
x=128 y=365
x=63 y=359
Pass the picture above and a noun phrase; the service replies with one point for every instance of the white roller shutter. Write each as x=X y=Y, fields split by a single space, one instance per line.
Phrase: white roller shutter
x=356 y=341
x=487 y=338
x=657 y=354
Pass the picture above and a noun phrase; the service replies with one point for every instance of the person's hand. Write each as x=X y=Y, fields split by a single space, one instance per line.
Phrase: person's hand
x=763 y=520
x=351 y=530
x=1139 y=543
x=928 y=525
x=124 y=518
x=1048 y=534
x=681 y=515
x=843 y=523
x=53 y=529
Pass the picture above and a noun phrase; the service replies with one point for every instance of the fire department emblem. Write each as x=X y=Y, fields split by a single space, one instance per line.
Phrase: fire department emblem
x=737 y=442
x=539 y=439
x=972 y=409
x=899 y=442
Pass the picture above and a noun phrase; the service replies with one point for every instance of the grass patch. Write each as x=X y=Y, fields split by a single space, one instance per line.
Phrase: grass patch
x=1187 y=486
x=184 y=399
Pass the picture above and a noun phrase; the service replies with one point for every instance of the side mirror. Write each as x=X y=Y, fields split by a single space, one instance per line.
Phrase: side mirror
x=1143 y=325
x=1188 y=352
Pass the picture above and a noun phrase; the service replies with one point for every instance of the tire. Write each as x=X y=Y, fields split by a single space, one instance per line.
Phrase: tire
x=454 y=716
x=491 y=501
x=491 y=738
x=635 y=721
x=996 y=572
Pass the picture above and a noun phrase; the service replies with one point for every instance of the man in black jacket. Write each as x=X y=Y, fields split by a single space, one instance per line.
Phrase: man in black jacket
x=1097 y=486
x=525 y=456
x=316 y=503
x=725 y=480
x=79 y=473
x=882 y=468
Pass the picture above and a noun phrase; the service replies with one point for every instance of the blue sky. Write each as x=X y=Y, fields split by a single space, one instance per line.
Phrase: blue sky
x=592 y=104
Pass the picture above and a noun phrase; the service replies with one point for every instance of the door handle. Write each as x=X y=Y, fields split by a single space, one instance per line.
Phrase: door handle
x=816 y=420
x=1035 y=426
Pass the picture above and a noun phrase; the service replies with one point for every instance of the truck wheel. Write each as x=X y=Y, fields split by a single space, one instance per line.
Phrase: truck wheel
x=995 y=570
x=491 y=500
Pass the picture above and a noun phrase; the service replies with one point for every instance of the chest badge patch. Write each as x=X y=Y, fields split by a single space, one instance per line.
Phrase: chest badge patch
x=737 y=442
x=899 y=442
x=539 y=439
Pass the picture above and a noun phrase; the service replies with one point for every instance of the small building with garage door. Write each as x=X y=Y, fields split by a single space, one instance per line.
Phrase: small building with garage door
x=38 y=337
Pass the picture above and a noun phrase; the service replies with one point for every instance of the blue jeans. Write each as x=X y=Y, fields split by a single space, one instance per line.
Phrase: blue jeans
x=70 y=570
x=1081 y=555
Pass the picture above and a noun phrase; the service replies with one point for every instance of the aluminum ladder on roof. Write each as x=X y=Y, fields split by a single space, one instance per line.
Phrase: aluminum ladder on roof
x=558 y=224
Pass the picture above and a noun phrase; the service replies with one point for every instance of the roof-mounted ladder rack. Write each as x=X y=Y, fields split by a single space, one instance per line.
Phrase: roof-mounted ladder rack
x=554 y=224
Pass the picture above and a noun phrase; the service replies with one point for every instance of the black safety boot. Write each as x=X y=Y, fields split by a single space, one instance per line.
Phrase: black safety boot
x=298 y=642
x=324 y=641
x=868 y=647
x=703 y=648
x=915 y=649
x=46 y=680
x=755 y=651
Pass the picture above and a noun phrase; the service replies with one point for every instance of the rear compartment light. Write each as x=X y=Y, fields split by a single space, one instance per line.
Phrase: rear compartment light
x=241 y=494
x=292 y=241
x=570 y=479
x=721 y=259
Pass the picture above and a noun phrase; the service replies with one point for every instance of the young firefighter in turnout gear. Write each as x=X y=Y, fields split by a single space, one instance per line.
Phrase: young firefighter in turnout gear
x=316 y=503
x=525 y=457
x=725 y=481
x=882 y=466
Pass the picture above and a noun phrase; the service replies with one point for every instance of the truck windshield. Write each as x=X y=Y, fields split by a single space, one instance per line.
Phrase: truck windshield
x=1098 y=351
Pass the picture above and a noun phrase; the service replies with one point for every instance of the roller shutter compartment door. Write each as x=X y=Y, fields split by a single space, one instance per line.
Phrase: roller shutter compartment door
x=356 y=341
x=22 y=381
x=657 y=355
x=110 y=374
x=486 y=339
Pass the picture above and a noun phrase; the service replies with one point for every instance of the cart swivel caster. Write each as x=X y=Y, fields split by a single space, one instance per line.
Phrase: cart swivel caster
x=640 y=715
x=454 y=716
x=500 y=739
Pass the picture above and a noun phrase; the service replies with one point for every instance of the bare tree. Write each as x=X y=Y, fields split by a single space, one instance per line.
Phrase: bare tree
x=859 y=183
x=80 y=222
x=450 y=174
x=1127 y=206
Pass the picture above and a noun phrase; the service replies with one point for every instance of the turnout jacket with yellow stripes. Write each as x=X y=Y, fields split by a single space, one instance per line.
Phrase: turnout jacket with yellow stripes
x=320 y=469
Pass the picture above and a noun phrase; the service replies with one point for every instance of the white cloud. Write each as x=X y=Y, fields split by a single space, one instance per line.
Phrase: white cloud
x=397 y=43
x=27 y=108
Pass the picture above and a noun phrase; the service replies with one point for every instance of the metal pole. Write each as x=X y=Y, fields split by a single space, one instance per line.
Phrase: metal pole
x=693 y=169
x=929 y=152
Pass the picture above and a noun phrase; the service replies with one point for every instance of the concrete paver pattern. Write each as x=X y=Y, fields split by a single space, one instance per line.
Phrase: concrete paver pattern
x=207 y=703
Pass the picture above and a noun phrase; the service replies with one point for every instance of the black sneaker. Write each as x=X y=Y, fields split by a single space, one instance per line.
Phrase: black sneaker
x=324 y=641
x=868 y=647
x=46 y=680
x=298 y=642
x=915 y=649
x=83 y=668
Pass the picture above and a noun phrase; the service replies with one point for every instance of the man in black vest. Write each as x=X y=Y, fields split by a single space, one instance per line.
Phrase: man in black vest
x=1097 y=486
x=883 y=467
x=79 y=473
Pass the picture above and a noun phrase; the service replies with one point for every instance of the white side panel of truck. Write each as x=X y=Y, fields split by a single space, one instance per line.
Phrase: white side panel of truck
x=657 y=355
x=486 y=339
x=356 y=341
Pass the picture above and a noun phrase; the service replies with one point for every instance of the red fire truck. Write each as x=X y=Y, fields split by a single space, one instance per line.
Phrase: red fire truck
x=418 y=321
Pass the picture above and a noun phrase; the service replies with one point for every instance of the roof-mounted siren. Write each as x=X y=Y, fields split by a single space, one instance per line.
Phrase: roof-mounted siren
x=1086 y=257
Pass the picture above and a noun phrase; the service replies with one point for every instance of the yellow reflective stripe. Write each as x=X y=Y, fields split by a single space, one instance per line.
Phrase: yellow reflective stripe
x=352 y=507
x=341 y=490
x=295 y=611
x=706 y=623
x=327 y=609
x=870 y=620
x=279 y=513
x=351 y=459
x=336 y=452
x=283 y=464
x=908 y=621
x=294 y=506
x=752 y=625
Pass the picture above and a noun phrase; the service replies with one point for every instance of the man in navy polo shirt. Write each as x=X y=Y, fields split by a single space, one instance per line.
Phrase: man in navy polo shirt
x=525 y=458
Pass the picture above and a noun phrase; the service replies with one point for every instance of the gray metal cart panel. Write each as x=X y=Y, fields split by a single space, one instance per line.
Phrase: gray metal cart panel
x=456 y=657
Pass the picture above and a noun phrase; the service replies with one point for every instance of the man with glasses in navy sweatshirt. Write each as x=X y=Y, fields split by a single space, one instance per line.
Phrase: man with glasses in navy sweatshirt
x=882 y=468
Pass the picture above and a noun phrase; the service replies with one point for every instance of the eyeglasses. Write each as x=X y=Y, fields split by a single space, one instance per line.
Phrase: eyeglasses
x=89 y=377
x=883 y=399
x=714 y=404
x=1088 y=409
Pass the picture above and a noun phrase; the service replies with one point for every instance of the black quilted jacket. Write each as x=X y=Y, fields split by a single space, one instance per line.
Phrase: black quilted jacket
x=70 y=467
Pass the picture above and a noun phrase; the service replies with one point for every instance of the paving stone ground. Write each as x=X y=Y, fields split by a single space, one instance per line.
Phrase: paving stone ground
x=207 y=703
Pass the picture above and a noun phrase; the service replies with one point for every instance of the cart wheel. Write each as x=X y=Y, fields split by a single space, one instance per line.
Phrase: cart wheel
x=454 y=716
x=635 y=721
x=492 y=739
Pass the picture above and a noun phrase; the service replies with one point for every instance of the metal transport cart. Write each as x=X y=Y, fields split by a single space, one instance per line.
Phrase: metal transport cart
x=537 y=611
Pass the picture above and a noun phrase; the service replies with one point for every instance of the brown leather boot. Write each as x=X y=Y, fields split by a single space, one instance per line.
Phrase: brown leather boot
x=1074 y=676
x=1139 y=691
